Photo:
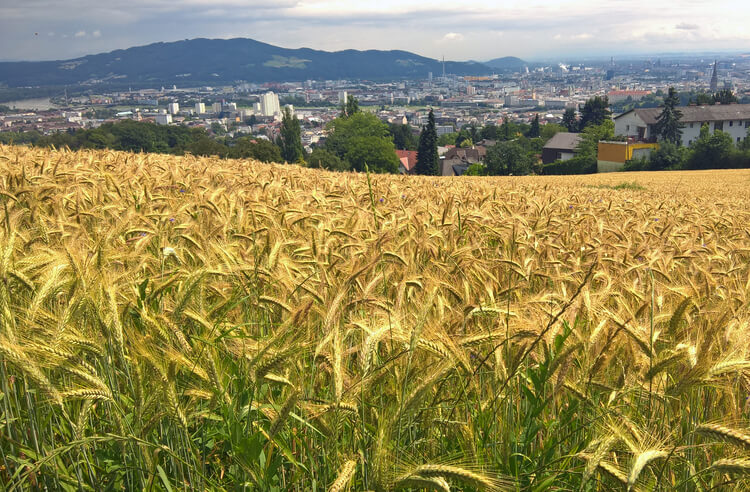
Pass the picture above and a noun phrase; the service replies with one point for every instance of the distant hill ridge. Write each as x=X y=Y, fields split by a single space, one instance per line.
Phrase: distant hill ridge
x=507 y=63
x=213 y=61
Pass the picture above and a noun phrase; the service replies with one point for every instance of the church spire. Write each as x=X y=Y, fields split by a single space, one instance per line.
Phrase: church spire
x=715 y=77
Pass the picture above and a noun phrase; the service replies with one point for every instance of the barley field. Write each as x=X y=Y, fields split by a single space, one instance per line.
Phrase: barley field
x=176 y=323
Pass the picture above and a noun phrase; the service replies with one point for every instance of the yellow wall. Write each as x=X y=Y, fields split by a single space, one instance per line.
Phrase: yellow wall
x=621 y=151
x=613 y=152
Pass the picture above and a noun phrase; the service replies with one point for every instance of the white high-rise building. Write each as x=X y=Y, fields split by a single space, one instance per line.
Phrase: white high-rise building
x=216 y=107
x=200 y=108
x=269 y=104
x=342 y=97
x=163 y=119
x=174 y=108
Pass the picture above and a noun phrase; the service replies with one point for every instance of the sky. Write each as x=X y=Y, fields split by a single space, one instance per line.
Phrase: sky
x=458 y=30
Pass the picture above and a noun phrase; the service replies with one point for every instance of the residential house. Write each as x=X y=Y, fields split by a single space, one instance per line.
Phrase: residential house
x=561 y=147
x=457 y=160
x=408 y=161
x=731 y=118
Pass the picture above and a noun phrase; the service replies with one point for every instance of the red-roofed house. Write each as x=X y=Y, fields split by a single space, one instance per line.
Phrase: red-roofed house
x=408 y=160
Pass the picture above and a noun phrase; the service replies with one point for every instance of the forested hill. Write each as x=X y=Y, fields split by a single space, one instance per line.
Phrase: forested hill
x=214 y=61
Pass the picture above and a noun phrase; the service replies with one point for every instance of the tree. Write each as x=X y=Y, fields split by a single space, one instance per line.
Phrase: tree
x=668 y=156
x=447 y=139
x=725 y=96
x=403 y=138
x=508 y=130
x=534 y=130
x=745 y=144
x=595 y=112
x=350 y=108
x=703 y=99
x=489 y=132
x=476 y=170
x=588 y=147
x=550 y=130
x=378 y=153
x=507 y=158
x=259 y=149
x=322 y=159
x=350 y=137
x=570 y=121
x=427 y=154
x=710 y=151
x=207 y=146
x=668 y=125
x=290 y=142
x=217 y=128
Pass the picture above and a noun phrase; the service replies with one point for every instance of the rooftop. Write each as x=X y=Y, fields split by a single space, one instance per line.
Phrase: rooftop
x=691 y=114
x=564 y=140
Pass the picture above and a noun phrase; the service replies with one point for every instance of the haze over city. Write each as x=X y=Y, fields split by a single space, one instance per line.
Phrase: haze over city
x=45 y=30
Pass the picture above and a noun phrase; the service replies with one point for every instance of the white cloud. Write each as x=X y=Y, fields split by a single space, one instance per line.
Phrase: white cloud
x=80 y=34
x=453 y=36
x=96 y=34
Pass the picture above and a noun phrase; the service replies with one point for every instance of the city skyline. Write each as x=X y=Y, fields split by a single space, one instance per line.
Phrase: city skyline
x=42 y=30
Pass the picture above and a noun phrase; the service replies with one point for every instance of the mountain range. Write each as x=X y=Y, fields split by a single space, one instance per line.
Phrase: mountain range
x=215 y=61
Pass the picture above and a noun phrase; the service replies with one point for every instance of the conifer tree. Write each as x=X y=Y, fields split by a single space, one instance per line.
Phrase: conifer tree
x=290 y=138
x=534 y=130
x=668 y=126
x=427 y=154
x=570 y=121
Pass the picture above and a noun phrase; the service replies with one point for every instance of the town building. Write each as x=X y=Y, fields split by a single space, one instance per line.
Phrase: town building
x=269 y=104
x=615 y=97
x=163 y=119
x=731 y=118
x=457 y=160
x=560 y=147
x=408 y=161
x=173 y=108
x=200 y=108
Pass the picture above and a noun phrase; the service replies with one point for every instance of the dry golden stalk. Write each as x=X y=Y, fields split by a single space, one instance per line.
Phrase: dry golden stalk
x=345 y=476
x=734 y=436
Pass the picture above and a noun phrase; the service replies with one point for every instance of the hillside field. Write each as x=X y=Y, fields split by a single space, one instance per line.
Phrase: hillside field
x=181 y=323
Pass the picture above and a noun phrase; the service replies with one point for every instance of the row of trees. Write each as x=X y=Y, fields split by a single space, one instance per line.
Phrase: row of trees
x=134 y=136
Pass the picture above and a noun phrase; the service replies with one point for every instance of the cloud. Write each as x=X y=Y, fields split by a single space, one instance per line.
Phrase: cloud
x=684 y=26
x=453 y=36
x=458 y=30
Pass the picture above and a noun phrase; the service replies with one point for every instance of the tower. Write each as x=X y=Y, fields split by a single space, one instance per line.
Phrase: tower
x=715 y=77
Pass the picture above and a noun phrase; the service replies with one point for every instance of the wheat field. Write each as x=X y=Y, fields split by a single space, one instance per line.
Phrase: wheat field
x=180 y=323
